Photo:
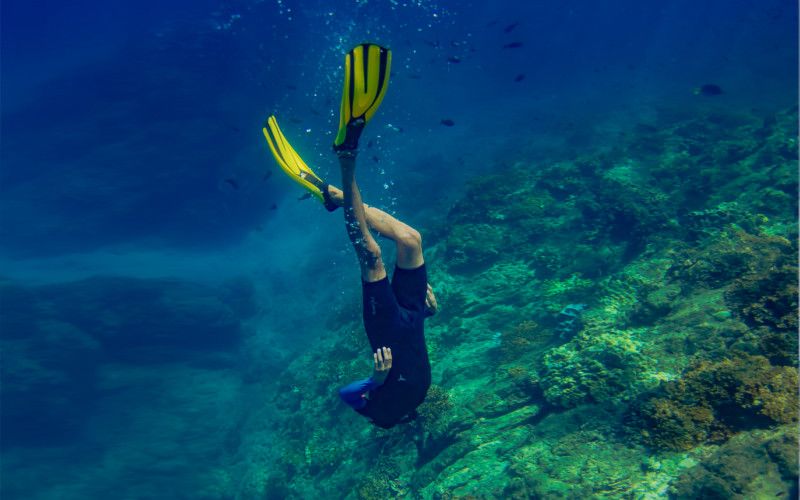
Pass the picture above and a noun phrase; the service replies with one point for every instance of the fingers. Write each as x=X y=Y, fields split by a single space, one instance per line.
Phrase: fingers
x=387 y=357
x=383 y=359
x=430 y=299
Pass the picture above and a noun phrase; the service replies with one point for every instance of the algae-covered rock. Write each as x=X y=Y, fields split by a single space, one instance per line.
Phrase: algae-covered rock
x=381 y=481
x=768 y=297
x=751 y=465
x=474 y=246
x=519 y=340
x=728 y=255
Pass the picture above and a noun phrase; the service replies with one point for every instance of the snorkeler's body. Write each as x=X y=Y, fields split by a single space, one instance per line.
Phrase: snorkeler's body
x=393 y=312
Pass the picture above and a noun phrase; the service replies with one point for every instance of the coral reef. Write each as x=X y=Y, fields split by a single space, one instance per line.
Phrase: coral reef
x=678 y=240
x=714 y=400
x=594 y=367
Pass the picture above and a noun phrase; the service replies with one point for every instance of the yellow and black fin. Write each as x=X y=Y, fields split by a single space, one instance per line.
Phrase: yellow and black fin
x=294 y=166
x=366 y=78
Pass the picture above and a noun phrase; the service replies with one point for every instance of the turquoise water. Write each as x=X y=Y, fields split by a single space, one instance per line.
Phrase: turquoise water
x=606 y=195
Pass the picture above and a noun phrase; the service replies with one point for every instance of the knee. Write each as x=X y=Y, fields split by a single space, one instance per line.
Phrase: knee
x=410 y=239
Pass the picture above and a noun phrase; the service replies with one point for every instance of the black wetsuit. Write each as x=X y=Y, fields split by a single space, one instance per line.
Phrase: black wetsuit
x=394 y=317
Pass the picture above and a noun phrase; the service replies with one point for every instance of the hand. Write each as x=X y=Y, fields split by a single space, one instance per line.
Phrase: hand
x=383 y=363
x=430 y=301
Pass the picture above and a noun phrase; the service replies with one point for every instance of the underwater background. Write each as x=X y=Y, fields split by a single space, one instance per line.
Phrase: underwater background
x=607 y=193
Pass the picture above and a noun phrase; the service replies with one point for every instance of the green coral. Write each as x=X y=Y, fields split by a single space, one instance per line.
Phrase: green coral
x=594 y=367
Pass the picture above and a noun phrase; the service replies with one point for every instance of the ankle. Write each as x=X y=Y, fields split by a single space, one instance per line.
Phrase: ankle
x=347 y=154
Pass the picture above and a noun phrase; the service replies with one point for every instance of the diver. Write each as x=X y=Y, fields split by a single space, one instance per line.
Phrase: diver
x=394 y=311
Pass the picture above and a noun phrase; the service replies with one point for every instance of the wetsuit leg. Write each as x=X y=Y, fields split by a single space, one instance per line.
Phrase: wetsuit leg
x=381 y=313
x=410 y=287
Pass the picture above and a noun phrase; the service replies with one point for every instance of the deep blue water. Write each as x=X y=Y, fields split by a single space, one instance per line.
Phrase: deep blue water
x=121 y=122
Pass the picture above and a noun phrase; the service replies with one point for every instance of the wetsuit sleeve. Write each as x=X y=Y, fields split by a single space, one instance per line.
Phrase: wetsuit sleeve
x=353 y=394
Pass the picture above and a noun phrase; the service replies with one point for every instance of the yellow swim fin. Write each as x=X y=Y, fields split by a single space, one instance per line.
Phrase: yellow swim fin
x=294 y=166
x=366 y=78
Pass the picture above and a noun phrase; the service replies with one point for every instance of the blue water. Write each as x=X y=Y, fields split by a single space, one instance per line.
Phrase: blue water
x=142 y=286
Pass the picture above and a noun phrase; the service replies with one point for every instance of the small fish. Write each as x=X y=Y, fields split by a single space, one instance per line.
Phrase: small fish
x=415 y=76
x=454 y=59
x=432 y=44
x=458 y=43
x=295 y=120
x=510 y=27
x=370 y=143
x=447 y=122
x=376 y=159
x=232 y=182
x=709 y=89
x=291 y=87
x=519 y=77
x=235 y=128
x=304 y=197
x=273 y=206
x=267 y=175
x=512 y=45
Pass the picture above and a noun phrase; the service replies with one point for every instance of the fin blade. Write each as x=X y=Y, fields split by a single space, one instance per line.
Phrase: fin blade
x=287 y=158
x=366 y=79
x=383 y=66
x=359 y=84
x=344 y=109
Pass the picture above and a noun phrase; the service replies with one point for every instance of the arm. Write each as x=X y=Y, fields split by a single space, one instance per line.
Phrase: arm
x=355 y=394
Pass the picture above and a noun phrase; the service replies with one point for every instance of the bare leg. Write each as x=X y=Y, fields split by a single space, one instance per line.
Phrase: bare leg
x=367 y=249
x=407 y=239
